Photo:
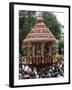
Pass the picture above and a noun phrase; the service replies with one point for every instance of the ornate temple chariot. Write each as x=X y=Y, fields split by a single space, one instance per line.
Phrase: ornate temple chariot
x=40 y=41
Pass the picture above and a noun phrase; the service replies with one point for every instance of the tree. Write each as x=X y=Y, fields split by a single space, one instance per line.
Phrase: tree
x=61 y=46
x=26 y=22
x=51 y=21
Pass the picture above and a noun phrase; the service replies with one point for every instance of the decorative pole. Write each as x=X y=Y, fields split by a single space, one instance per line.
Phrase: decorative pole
x=33 y=47
x=42 y=50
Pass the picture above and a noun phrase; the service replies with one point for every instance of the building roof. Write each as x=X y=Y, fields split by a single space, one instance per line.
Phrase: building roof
x=39 y=32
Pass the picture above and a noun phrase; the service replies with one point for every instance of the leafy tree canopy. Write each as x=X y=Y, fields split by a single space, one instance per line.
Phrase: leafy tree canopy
x=26 y=22
x=51 y=21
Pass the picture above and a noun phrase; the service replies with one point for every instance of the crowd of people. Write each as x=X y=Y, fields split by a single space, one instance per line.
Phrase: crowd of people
x=47 y=71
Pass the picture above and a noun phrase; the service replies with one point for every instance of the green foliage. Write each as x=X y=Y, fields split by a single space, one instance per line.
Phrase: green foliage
x=61 y=43
x=53 y=24
x=26 y=22
x=61 y=46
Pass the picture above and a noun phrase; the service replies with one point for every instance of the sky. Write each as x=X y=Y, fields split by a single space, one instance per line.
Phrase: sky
x=60 y=17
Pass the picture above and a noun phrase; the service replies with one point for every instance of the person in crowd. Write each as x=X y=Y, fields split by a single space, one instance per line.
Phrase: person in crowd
x=48 y=71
